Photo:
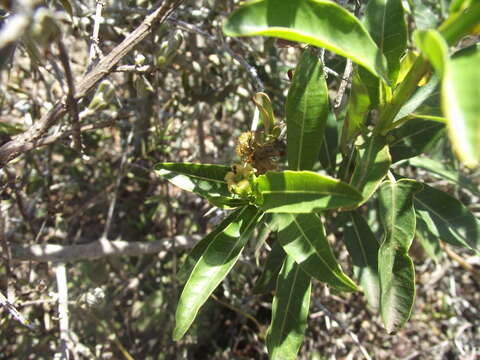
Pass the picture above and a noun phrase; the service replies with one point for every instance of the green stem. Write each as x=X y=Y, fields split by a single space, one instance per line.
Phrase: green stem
x=402 y=94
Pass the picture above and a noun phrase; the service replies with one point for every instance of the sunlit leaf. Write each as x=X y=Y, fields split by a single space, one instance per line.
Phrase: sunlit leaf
x=395 y=267
x=303 y=192
x=385 y=21
x=371 y=167
x=303 y=238
x=212 y=267
x=289 y=312
x=317 y=22
x=207 y=180
x=307 y=109
x=460 y=94
x=201 y=246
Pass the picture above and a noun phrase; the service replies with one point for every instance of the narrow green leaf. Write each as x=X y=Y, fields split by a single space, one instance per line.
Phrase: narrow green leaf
x=423 y=94
x=397 y=286
x=198 y=250
x=303 y=192
x=307 y=109
x=303 y=238
x=212 y=267
x=67 y=5
x=429 y=242
x=358 y=108
x=433 y=46
x=206 y=180
x=317 y=22
x=385 y=21
x=266 y=282
x=395 y=267
x=371 y=167
x=448 y=218
x=329 y=149
x=363 y=249
x=460 y=94
x=289 y=312
x=441 y=171
x=414 y=137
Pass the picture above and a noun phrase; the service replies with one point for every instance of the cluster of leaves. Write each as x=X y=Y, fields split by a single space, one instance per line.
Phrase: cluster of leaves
x=394 y=113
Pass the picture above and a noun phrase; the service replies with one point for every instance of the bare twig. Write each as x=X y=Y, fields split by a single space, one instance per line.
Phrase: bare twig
x=30 y=139
x=96 y=29
x=72 y=103
x=61 y=276
x=343 y=84
x=96 y=249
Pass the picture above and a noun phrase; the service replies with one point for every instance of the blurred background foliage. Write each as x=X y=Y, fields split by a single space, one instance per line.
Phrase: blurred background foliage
x=189 y=103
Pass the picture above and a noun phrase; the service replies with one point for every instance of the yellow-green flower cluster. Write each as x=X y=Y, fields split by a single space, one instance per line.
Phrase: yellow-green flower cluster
x=239 y=179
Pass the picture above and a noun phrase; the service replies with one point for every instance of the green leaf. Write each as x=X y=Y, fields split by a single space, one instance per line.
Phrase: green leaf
x=307 y=109
x=448 y=218
x=414 y=137
x=434 y=47
x=273 y=264
x=289 y=312
x=460 y=94
x=67 y=5
x=303 y=238
x=212 y=267
x=329 y=148
x=423 y=15
x=363 y=249
x=303 y=192
x=385 y=21
x=440 y=170
x=395 y=267
x=316 y=22
x=372 y=166
x=198 y=250
x=206 y=180
x=429 y=242
x=358 y=108
x=422 y=94
x=397 y=286
x=267 y=117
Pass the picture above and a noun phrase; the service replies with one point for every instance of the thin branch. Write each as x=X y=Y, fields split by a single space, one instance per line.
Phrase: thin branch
x=30 y=139
x=96 y=29
x=96 y=249
x=61 y=277
x=72 y=103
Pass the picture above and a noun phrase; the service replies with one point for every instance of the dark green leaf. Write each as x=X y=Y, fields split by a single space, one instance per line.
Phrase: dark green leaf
x=266 y=282
x=448 y=218
x=329 y=149
x=206 y=180
x=441 y=171
x=429 y=242
x=357 y=110
x=363 y=249
x=212 y=267
x=371 y=167
x=202 y=245
x=414 y=137
x=303 y=192
x=307 y=109
x=385 y=21
x=316 y=22
x=303 y=238
x=395 y=267
x=289 y=312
